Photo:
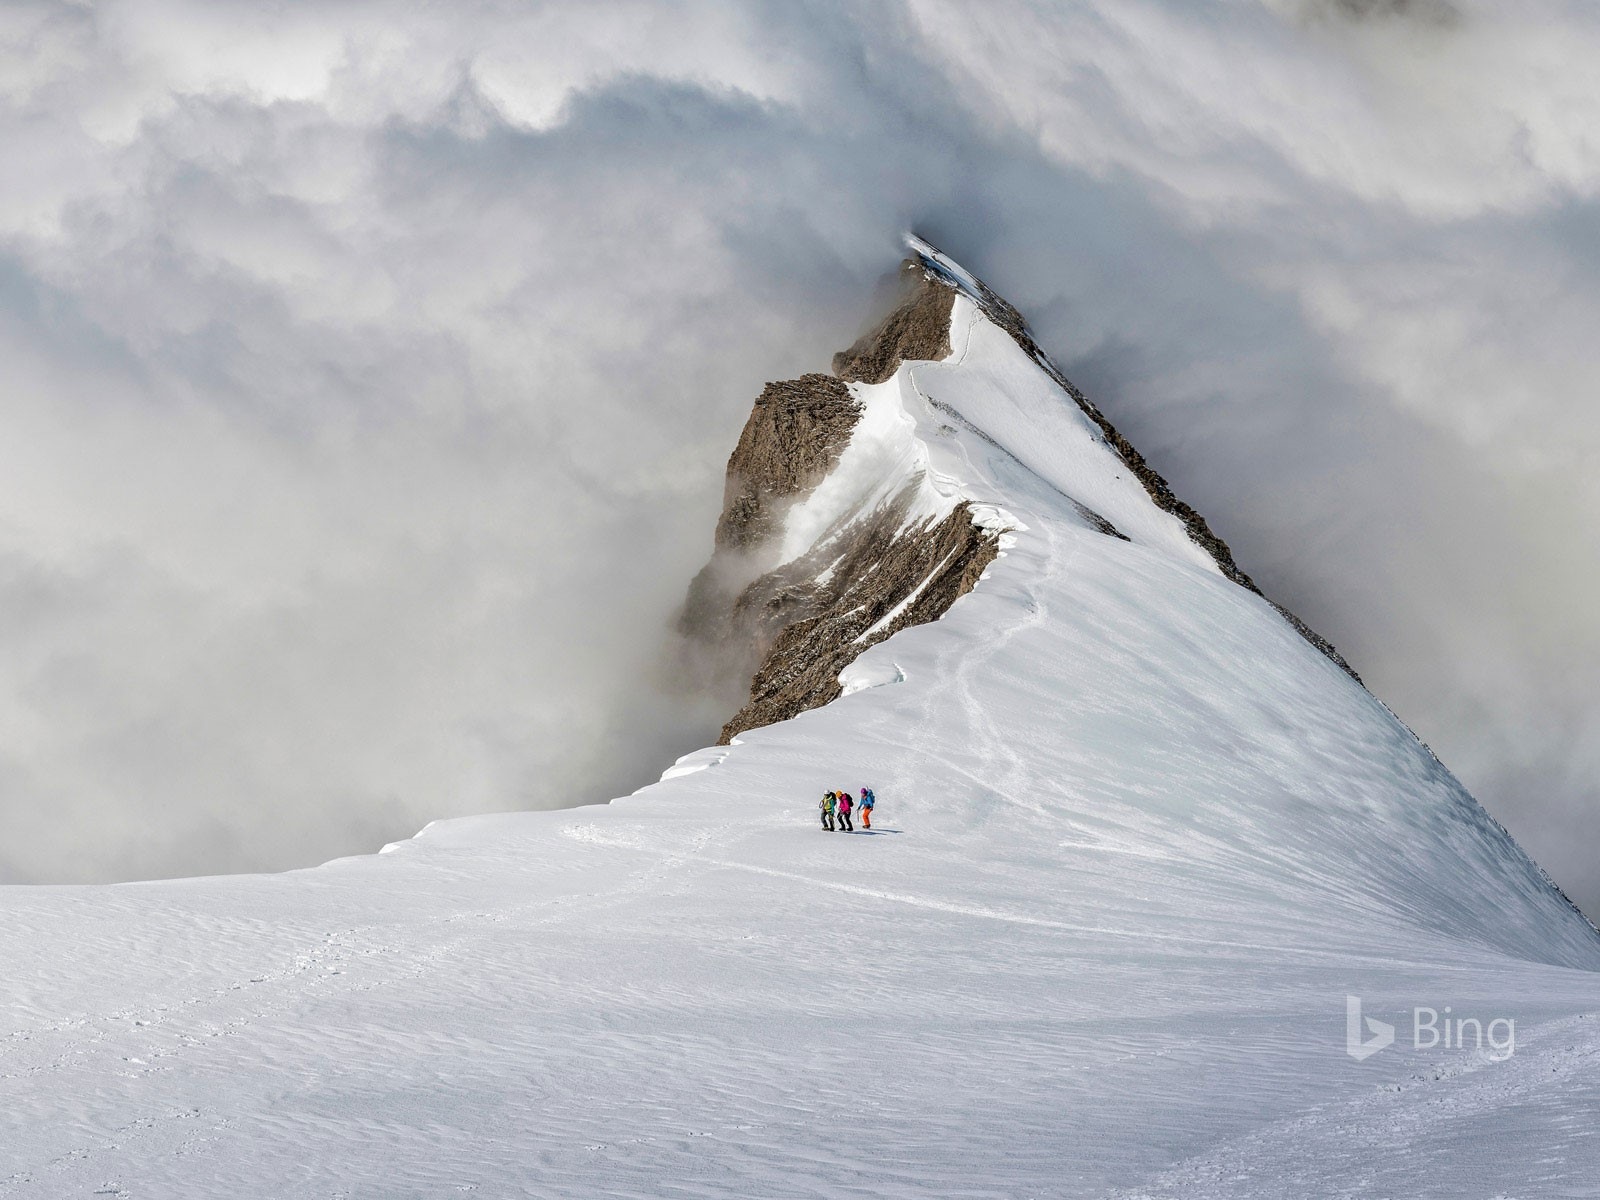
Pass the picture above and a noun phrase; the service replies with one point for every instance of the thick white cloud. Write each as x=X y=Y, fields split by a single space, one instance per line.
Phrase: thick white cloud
x=370 y=365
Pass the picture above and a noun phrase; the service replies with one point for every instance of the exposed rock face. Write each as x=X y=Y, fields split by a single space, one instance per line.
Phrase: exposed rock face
x=796 y=625
x=886 y=576
x=792 y=627
x=918 y=329
x=793 y=438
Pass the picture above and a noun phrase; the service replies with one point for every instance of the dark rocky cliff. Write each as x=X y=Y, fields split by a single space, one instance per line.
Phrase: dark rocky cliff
x=919 y=328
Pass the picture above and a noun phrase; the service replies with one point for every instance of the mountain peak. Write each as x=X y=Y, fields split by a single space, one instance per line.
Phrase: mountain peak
x=837 y=530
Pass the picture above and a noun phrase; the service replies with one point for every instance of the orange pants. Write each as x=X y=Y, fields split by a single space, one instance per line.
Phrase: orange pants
x=866 y=818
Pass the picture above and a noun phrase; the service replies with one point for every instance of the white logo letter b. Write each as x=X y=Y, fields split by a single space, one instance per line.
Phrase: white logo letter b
x=1354 y=1043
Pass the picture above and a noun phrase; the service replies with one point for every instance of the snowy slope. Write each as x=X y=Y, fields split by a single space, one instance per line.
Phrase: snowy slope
x=1137 y=842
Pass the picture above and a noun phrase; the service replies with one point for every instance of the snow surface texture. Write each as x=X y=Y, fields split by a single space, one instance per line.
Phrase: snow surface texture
x=1136 y=843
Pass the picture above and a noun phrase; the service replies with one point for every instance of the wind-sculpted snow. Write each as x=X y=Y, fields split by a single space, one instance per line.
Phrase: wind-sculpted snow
x=1137 y=841
x=1004 y=316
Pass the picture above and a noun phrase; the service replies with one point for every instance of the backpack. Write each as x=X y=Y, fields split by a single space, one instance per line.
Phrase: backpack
x=868 y=799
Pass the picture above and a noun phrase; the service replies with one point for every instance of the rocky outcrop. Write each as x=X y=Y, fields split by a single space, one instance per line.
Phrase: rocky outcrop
x=790 y=628
x=793 y=438
x=918 y=328
x=875 y=577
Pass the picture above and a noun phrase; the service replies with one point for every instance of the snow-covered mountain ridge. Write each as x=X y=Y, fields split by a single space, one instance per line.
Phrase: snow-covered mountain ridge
x=836 y=533
x=1138 y=842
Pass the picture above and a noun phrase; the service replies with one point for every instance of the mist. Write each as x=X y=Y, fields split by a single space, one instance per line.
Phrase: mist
x=371 y=368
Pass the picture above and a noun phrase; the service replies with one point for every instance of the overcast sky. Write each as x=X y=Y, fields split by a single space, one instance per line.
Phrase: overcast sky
x=370 y=366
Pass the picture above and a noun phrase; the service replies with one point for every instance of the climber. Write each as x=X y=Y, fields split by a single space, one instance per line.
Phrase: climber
x=867 y=801
x=828 y=802
x=845 y=804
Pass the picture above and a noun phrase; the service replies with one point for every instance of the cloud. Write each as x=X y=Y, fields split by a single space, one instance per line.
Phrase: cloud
x=1430 y=12
x=371 y=367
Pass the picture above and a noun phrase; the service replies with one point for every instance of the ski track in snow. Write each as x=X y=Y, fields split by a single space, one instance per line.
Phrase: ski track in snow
x=1136 y=843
